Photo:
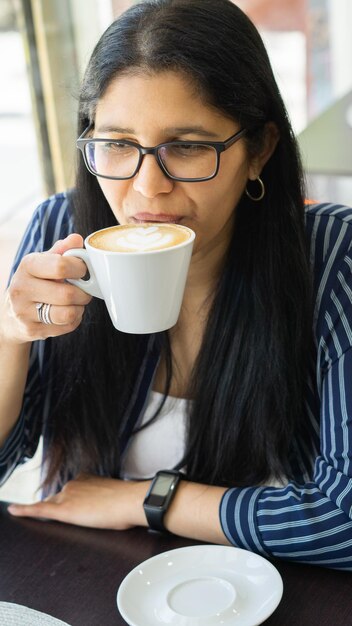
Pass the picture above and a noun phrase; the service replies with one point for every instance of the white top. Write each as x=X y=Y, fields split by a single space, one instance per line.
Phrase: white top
x=161 y=444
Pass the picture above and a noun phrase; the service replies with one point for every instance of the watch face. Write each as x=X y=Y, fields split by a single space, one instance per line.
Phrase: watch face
x=159 y=496
x=162 y=485
x=161 y=490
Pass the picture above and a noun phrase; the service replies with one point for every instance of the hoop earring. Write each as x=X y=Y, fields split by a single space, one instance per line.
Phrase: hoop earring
x=262 y=191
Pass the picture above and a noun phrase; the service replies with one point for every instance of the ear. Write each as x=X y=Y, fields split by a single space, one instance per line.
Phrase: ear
x=271 y=137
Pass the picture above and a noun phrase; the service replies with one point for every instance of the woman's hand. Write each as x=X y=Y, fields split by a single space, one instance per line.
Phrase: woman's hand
x=92 y=501
x=40 y=277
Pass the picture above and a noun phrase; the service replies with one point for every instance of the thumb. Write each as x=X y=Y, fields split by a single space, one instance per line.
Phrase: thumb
x=72 y=241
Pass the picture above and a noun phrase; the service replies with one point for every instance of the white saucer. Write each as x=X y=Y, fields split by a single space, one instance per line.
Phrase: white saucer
x=203 y=585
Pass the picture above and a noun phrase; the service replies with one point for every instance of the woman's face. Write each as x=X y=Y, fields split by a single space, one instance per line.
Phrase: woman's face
x=153 y=109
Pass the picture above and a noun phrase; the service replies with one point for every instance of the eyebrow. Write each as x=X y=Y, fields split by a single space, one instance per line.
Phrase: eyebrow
x=173 y=130
x=113 y=129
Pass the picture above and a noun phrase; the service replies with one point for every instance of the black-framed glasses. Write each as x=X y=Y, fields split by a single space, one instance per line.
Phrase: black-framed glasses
x=187 y=161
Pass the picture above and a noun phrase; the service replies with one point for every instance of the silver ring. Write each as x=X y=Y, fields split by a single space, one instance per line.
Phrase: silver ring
x=43 y=312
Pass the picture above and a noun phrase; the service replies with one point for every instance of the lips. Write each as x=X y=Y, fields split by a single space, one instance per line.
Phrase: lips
x=156 y=217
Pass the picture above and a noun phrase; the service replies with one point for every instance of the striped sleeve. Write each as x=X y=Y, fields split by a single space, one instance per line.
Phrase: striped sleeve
x=312 y=522
x=50 y=222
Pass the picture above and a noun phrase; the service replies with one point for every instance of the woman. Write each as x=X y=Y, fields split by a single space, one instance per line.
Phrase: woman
x=249 y=393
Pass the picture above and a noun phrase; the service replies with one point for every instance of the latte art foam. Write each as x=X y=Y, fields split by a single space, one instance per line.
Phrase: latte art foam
x=144 y=239
x=141 y=238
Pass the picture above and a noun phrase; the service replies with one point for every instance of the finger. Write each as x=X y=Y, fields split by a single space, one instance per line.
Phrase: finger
x=53 y=266
x=64 y=315
x=53 y=509
x=58 y=293
x=69 y=299
x=43 y=510
x=23 y=308
x=43 y=331
x=72 y=241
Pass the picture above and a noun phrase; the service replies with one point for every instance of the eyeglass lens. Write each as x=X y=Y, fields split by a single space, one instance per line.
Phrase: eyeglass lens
x=121 y=160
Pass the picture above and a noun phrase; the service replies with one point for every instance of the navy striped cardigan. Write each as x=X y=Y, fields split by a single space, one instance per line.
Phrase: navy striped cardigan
x=308 y=519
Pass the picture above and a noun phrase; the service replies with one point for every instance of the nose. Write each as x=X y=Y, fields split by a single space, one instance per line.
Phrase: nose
x=150 y=180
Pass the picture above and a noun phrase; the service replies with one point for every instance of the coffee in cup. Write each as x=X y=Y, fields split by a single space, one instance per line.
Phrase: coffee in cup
x=139 y=238
x=140 y=270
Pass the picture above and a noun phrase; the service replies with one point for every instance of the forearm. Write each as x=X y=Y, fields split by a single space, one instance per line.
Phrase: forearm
x=194 y=513
x=14 y=359
x=118 y=504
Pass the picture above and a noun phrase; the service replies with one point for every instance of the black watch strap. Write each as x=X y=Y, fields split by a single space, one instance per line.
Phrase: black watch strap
x=159 y=497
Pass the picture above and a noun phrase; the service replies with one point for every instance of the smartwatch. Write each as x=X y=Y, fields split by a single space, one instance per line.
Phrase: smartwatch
x=159 y=497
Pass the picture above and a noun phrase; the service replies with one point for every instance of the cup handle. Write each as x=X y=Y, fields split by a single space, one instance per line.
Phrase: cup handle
x=91 y=285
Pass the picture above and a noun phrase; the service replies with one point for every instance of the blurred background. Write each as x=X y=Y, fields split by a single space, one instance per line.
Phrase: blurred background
x=45 y=46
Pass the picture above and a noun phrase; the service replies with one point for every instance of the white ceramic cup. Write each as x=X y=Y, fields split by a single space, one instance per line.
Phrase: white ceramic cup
x=143 y=290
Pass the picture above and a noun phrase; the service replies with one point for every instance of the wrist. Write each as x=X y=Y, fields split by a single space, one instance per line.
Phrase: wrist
x=14 y=344
x=194 y=513
x=10 y=341
x=10 y=333
x=159 y=497
x=140 y=489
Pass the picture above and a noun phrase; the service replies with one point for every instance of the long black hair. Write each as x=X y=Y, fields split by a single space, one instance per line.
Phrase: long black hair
x=248 y=382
